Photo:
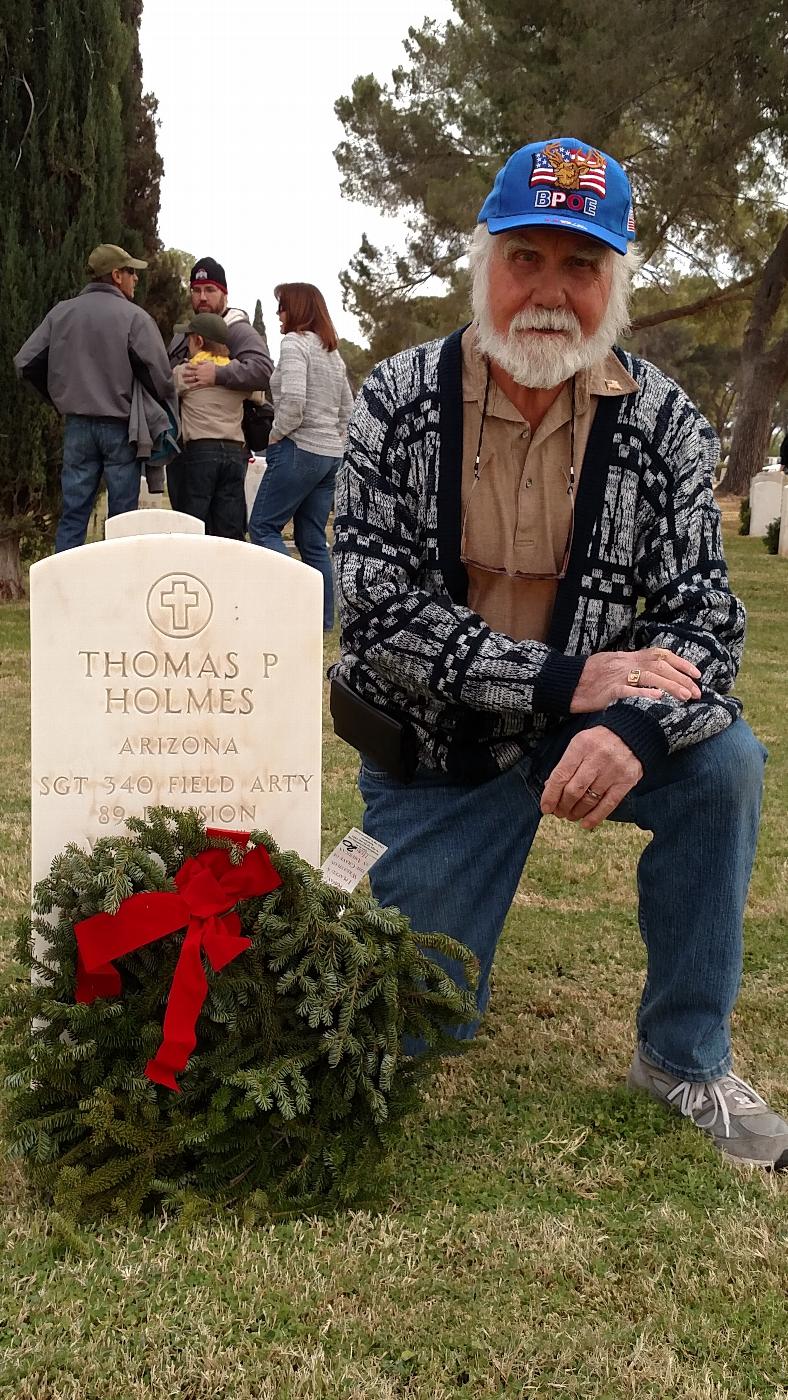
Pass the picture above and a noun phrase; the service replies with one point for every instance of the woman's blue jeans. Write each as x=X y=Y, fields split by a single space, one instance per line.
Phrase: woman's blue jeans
x=455 y=856
x=297 y=486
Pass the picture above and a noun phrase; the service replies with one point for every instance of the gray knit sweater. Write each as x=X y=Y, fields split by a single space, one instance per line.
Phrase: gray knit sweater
x=312 y=398
x=646 y=569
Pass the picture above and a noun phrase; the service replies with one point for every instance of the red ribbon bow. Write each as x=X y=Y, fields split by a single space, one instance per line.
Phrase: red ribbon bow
x=208 y=887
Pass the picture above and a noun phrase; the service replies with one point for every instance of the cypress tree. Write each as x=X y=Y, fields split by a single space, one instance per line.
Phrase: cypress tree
x=160 y=290
x=144 y=166
x=78 y=167
x=258 y=322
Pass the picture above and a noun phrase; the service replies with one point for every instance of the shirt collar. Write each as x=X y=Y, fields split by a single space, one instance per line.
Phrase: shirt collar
x=103 y=287
x=608 y=378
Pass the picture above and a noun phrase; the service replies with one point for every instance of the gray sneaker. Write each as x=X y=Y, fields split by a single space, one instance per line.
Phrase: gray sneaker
x=738 y=1120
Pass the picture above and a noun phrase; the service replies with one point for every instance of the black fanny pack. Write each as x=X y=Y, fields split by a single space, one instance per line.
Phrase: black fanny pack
x=385 y=741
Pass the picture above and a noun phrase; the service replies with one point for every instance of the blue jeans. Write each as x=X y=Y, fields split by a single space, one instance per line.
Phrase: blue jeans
x=206 y=480
x=92 y=446
x=455 y=856
x=297 y=486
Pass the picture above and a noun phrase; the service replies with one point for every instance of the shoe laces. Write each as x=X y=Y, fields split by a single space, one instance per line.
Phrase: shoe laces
x=692 y=1099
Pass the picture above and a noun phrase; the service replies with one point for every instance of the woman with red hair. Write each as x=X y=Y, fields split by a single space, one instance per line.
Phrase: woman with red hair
x=312 y=405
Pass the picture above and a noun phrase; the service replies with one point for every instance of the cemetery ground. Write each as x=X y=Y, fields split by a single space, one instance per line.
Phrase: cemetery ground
x=547 y=1234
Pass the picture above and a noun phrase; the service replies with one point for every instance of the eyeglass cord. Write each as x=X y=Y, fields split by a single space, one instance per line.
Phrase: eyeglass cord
x=476 y=468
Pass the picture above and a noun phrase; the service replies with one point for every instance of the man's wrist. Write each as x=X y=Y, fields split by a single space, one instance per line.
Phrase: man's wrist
x=640 y=731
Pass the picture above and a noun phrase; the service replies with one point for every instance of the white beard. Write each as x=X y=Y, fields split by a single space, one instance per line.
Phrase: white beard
x=537 y=362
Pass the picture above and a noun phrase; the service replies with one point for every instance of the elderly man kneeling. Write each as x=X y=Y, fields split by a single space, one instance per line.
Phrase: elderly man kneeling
x=536 y=619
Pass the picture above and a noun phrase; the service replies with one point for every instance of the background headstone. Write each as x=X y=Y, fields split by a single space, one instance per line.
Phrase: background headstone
x=766 y=490
x=254 y=475
x=175 y=669
x=149 y=500
x=782 y=547
x=154 y=520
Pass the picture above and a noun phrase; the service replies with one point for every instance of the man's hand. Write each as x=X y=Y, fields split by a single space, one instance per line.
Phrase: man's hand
x=652 y=671
x=200 y=376
x=594 y=775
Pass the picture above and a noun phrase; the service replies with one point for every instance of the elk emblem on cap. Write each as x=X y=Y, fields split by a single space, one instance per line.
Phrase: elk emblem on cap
x=569 y=173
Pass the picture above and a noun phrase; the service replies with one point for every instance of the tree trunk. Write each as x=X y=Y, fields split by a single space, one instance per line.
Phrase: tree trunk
x=763 y=368
x=12 y=581
x=753 y=427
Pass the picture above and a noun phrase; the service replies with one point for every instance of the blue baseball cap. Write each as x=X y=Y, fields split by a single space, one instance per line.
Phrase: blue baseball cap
x=564 y=183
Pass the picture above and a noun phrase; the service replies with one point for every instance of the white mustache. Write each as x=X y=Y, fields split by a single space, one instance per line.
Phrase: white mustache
x=542 y=319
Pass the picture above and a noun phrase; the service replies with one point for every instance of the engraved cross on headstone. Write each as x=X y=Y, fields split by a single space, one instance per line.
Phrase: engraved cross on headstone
x=179 y=600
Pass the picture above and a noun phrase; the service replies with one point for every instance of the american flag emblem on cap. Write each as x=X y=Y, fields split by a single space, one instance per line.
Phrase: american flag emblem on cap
x=630 y=221
x=569 y=168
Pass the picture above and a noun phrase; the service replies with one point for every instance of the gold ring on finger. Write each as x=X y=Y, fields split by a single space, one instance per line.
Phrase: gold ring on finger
x=596 y=796
x=633 y=677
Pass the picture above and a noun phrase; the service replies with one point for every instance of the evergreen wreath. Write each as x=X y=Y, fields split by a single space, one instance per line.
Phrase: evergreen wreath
x=297 y=1088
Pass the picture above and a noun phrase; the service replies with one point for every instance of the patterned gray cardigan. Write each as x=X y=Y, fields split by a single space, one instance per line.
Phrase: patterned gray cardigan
x=646 y=569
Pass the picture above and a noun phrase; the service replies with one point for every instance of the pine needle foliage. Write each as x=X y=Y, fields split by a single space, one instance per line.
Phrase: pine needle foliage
x=299 y=1085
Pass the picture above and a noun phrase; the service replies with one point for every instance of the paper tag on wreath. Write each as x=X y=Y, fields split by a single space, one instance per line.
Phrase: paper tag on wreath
x=351 y=859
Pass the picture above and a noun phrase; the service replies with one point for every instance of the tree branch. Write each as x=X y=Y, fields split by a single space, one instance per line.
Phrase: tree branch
x=735 y=292
x=26 y=85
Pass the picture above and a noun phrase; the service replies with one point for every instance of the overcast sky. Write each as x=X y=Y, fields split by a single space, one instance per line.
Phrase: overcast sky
x=246 y=93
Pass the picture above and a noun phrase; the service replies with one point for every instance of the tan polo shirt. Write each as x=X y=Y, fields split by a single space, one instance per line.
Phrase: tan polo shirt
x=517 y=516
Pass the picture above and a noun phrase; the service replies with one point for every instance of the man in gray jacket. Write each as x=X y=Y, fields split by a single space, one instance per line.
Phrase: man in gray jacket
x=83 y=359
x=208 y=480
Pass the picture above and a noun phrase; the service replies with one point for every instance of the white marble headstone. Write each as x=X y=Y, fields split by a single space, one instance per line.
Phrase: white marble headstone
x=177 y=670
x=782 y=547
x=766 y=489
x=154 y=520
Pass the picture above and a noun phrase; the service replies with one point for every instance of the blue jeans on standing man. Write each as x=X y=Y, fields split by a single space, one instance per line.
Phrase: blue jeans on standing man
x=297 y=486
x=92 y=446
x=456 y=853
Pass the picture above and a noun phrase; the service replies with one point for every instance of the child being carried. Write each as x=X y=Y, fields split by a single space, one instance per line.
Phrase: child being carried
x=207 y=478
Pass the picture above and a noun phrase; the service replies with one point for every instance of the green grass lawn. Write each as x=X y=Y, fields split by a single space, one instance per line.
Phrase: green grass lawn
x=548 y=1234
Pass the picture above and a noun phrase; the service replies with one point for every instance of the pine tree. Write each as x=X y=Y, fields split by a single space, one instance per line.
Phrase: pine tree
x=299 y=1084
x=167 y=297
x=701 y=132
x=358 y=362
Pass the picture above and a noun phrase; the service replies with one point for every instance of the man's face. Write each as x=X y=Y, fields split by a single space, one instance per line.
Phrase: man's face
x=544 y=304
x=126 y=279
x=549 y=269
x=206 y=296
